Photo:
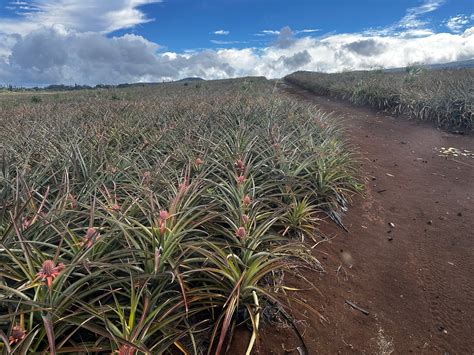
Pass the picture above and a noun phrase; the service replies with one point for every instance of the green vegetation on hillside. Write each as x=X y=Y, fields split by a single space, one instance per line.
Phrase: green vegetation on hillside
x=154 y=220
x=445 y=97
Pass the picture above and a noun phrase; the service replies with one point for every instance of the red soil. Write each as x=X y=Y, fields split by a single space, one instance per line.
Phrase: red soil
x=415 y=279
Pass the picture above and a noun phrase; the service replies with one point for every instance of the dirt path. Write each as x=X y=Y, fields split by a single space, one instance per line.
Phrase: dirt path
x=416 y=279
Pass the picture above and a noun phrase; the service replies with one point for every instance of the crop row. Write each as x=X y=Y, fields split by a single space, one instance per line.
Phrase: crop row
x=445 y=97
x=159 y=223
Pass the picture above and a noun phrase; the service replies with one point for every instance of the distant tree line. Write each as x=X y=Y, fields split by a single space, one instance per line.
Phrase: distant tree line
x=56 y=87
x=62 y=87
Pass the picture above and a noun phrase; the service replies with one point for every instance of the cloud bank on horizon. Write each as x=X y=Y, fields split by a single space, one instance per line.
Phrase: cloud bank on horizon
x=70 y=41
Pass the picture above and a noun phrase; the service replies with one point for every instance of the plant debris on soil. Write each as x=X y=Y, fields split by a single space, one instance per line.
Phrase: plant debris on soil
x=228 y=216
x=413 y=286
x=455 y=152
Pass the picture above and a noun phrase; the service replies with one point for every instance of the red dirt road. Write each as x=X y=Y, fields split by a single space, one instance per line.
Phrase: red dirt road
x=416 y=279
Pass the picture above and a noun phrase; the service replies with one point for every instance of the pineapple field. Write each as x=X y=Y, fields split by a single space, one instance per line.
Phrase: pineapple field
x=444 y=97
x=160 y=218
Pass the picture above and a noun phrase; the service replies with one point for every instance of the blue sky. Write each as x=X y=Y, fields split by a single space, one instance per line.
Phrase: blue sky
x=90 y=41
x=188 y=24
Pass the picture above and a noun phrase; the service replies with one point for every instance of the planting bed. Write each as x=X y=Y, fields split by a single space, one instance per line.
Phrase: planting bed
x=444 y=97
x=158 y=219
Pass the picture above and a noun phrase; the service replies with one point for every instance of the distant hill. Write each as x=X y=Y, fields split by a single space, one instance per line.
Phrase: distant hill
x=461 y=64
x=190 y=79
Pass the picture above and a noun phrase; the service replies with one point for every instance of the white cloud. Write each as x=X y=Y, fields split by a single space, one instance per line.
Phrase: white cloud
x=55 y=55
x=416 y=32
x=277 y=32
x=268 y=32
x=412 y=23
x=64 y=41
x=459 y=22
x=215 y=41
x=81 y=16
x=308 y=30
x=49 y=56
x=6 y=44
x=412 y=19
x=221 y=32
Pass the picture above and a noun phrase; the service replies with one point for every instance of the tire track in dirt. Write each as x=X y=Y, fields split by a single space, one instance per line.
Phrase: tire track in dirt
x=448 y=284
x=418 y=285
